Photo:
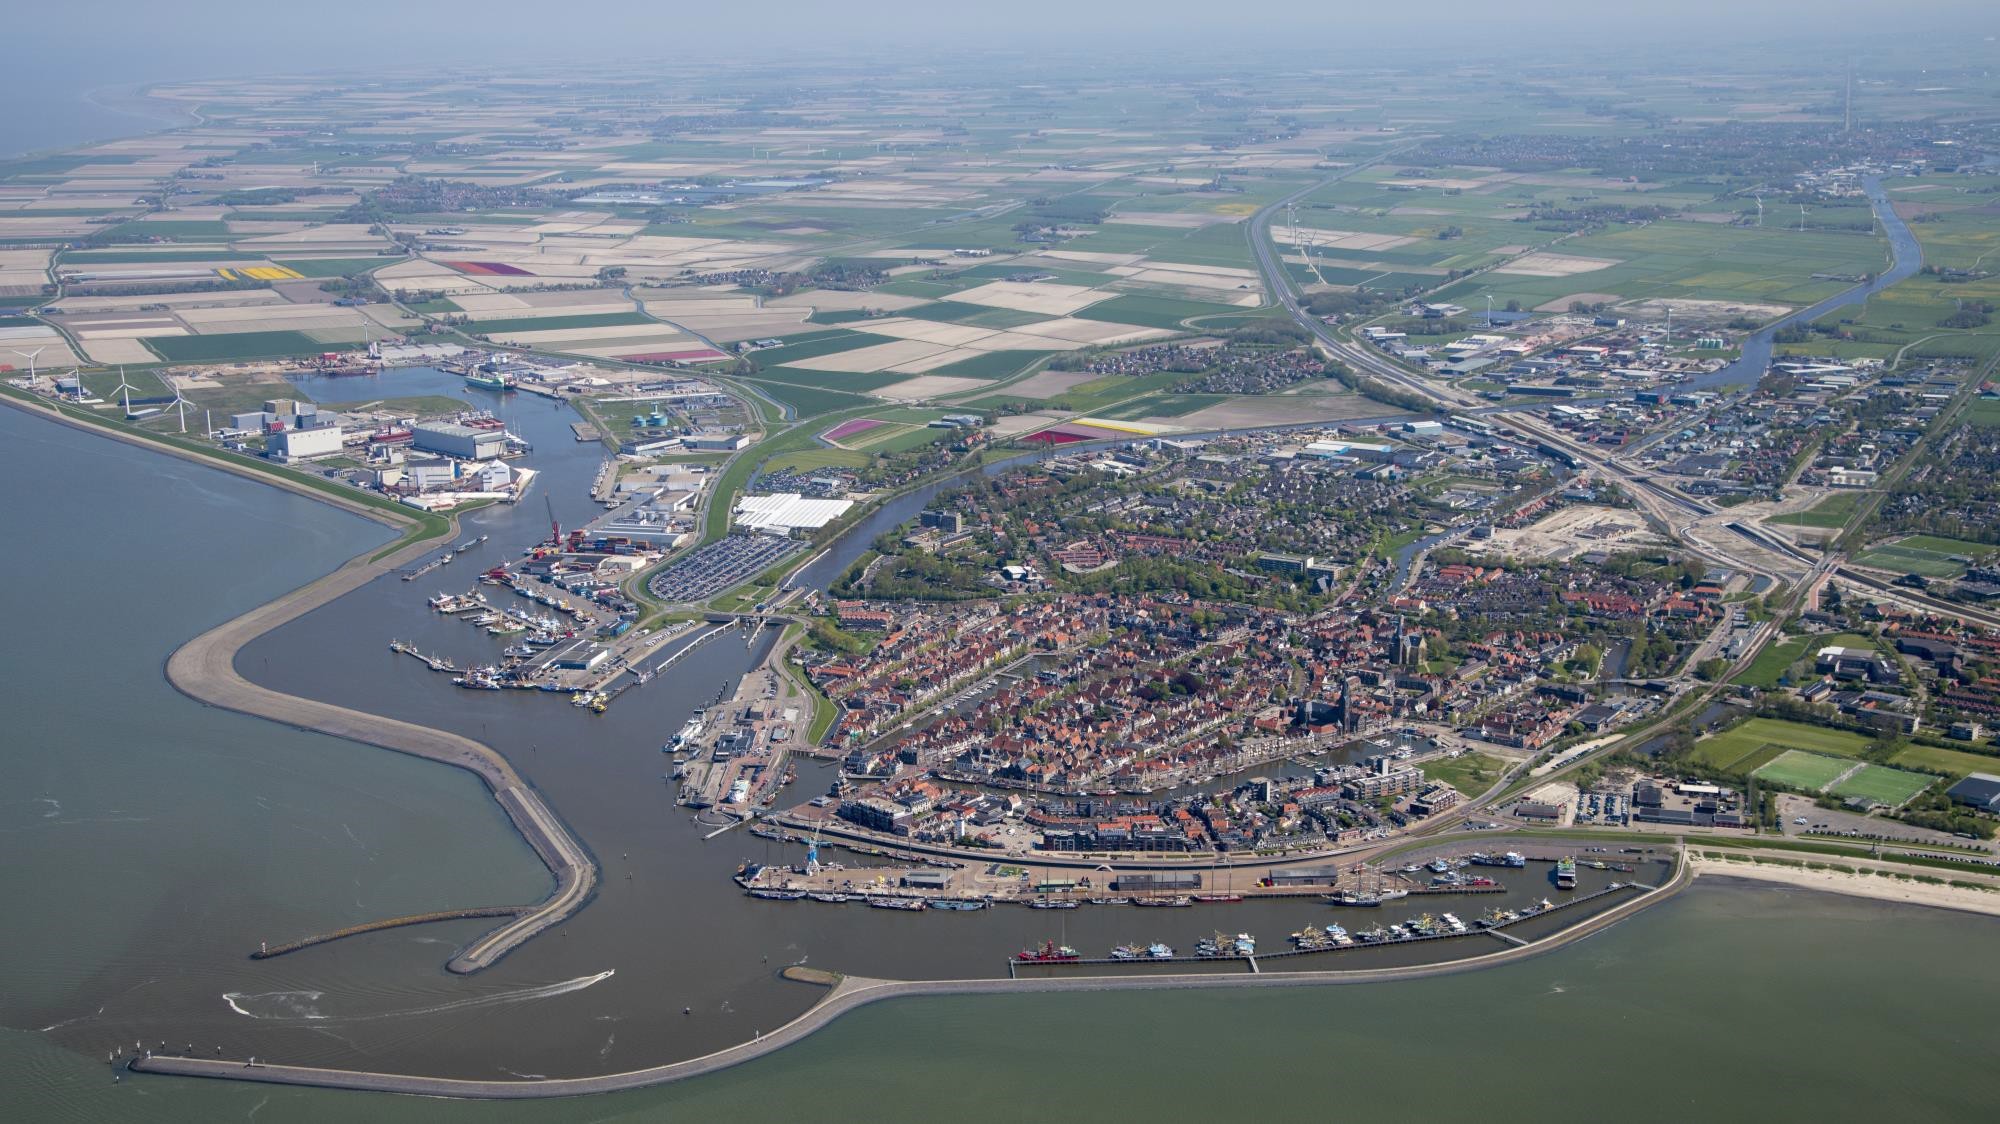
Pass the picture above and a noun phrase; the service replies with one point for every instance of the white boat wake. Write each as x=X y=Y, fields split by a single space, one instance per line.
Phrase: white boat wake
x=303 y=1005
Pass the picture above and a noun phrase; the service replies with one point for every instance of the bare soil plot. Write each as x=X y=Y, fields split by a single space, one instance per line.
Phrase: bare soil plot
x=835 y=300
x=1554 y=265
x=1562 y=303
x=930 y=331
x=108 y=352
x=1047 y=299
x=928 y=386
x=1323 y=239
x=866 y=360
x=1048 y=384
x=1573 y=531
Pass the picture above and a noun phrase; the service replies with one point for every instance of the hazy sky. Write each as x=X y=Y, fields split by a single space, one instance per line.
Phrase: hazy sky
x=190 y=36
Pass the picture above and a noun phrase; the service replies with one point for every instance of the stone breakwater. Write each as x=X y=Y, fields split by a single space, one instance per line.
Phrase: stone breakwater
x=204 y=669
x=849 y=993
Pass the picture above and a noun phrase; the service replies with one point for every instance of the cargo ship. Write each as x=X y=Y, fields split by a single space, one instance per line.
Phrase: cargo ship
x=486 y=380
x=1049 y=952
x=1566 y=874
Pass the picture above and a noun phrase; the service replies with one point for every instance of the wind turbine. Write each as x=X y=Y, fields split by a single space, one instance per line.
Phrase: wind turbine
x=1802 y=218
x=1489 y=310
x=30 y=357
x=180 y=407
x=1760 y=210
x=124 y=392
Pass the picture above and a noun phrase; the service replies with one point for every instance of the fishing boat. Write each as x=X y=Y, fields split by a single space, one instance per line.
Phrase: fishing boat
x=1048 y=952
x=690 y=730
x=1126 y=952
x=1158 y=951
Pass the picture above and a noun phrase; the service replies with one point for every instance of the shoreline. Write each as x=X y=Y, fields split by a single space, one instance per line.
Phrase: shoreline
x=1877 y=886
x=850 y=993
x=204 y=669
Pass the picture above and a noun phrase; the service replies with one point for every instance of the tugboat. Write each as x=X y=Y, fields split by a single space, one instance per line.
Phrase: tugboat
x=1049 y=952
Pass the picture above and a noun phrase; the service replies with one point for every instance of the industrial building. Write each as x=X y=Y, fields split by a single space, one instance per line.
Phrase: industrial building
x=788 y=511
x=461 y=441
x=299 y=444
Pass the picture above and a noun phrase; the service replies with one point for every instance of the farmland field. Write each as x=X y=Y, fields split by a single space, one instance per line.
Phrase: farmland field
x=235 y=345
x=1795 y=768
x=1884 y=785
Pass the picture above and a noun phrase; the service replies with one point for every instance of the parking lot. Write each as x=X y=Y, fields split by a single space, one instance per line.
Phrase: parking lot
x=711 y=569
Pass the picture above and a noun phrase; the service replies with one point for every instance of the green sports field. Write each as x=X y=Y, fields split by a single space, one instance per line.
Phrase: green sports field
x=1752 y=744
x=1795 y=768
x=1884 y=785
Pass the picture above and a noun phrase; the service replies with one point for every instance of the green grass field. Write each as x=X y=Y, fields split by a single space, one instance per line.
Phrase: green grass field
x=1884 y=785
x=808 y=401
x=1154 y=312
x=992 y=365
x=554 y=323
x=1952 y=761
x=1751 y=744
x=1471 y=773
x=1769 y=667
x=234 y=345
x=1928 y=555
x=810 y=459
x=334 y=267
x=1833 y=512
x=1795 y=768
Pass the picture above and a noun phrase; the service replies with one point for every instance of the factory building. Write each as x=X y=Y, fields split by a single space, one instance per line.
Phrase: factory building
x=461 y=441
